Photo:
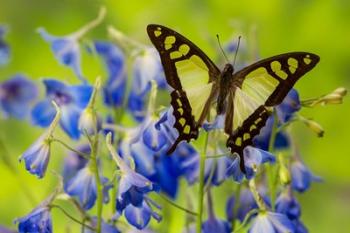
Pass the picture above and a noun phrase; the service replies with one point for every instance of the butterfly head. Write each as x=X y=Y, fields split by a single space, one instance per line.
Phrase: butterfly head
x=228 y=69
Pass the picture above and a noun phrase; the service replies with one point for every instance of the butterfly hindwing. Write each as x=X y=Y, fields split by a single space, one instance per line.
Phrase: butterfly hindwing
x=260 y=85
x=191 y=74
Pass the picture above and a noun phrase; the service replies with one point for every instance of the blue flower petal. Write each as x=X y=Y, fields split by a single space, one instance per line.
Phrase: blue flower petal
x=302 y=176
x=216 y=225
x=139 y=217
x=43 y=113
x=16 y=94
x=39 y=220
x=70 y=120
x=81 y=94
x=66 y=51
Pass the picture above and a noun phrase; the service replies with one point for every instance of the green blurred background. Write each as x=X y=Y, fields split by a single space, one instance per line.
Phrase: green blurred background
x=321 y=27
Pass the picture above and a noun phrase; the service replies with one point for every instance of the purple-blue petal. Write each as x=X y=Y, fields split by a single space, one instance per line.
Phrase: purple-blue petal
x=43 y=113
x=39 y=220
x=139 y=217
x=70 y=120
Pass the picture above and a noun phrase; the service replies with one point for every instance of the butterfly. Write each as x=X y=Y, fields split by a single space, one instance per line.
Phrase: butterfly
x=245 y=97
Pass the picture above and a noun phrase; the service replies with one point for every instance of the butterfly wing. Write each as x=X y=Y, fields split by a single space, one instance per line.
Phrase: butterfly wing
x=259 y=86
x=191 y=74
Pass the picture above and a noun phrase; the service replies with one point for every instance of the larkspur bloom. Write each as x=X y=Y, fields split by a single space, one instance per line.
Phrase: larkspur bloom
x=37 y=157
x=302 y=177
x=66 y=48
x=74 y=162
x=114 y=59
x=245 y=204
x=72 y=99
x=4 y=48
x=83 y=185
x=16 y=95
x=147 y=67
x=299 y=227
x=39 y=220
x=287 y=204
x=269 y=222
x=253 y=158
x=132 y=193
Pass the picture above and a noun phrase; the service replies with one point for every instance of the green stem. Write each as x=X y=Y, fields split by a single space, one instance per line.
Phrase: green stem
x=177 y=206
x=82 y=154
x=99 y=201
x=71 y=217
x=246 y=219
x=257 y=197
x=235 y=207
x=201 y=185
x=272 y=171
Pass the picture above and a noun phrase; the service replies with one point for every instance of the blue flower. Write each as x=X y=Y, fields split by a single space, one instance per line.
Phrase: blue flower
x=4 y=48
x=269 y=222
x=105 y=227
x=38 y=221
x=216 y=225
x=139 y=216
x=114 y=59
x=289 y=106
x=37 y=157
x=299 y=227
x=71 y=99
x=16 y=94
x=287 y=204
x=74 y=162
x=147 y=67
x=66 y=50
x=253 y=158
x=245 y=204
x=83 y=185
x=301 y=176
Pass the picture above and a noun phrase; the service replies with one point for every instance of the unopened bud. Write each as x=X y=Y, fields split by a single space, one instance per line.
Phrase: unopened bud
x=90 y=123
x=315 y=127
x=340 y=91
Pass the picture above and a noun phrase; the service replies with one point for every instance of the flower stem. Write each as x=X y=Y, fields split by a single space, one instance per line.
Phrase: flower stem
x=259 y=201
x=246 y=219
x=272 y=171
x=178 y=206
x=90 y=25
x=82 y=154
x=71 y=217
x=94 y=148
x=201 y=184
x=235 y=207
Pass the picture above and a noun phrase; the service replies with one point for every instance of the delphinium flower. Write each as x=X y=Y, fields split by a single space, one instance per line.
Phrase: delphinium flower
x=302 y=177
x=132 y=197
x=74 y=162
x=270 y=222
x=83 y=186
x=72 y=99
x=66 y=48
x=146 y=67
x=115 y=86
x=16 y=95
x=4 y=48
x=39 y=219
x=37 y=157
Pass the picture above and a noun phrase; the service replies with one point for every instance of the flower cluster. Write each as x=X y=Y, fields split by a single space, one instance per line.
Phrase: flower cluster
x=118 y=156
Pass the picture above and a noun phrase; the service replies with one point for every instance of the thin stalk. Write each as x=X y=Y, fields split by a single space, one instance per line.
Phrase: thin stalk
x=235 y=207
x=99 y=201
x=257 y=197
x=246 y=219
x=90 y=25
x=71 y=217
x=82 y=154
x=272 y=171
x=177 y=206
x=201 y=185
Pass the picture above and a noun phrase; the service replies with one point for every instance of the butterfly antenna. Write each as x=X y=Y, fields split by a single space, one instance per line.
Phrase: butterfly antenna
x=234 y=60
x=223 y=52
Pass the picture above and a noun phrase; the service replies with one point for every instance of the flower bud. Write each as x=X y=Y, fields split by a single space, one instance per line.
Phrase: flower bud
x=89 y=122
x=315 y=127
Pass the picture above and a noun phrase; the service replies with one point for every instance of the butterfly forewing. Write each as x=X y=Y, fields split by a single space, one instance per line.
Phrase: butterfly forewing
x=191 y=74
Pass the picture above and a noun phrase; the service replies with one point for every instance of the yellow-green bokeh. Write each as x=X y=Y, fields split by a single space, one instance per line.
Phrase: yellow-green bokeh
x=321 y=27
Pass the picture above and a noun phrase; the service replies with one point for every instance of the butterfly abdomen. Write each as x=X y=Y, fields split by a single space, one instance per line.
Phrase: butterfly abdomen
x=224 y=88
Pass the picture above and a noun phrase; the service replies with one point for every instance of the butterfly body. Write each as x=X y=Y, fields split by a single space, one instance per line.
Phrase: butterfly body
x=244 y=96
